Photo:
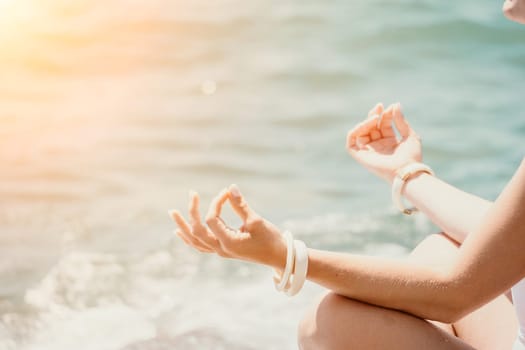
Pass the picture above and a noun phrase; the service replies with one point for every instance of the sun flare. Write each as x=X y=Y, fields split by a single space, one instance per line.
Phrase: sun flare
x=6 y=3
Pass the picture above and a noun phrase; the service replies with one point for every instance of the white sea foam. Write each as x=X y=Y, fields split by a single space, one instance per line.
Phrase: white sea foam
x=185 y=301
x=101 y=301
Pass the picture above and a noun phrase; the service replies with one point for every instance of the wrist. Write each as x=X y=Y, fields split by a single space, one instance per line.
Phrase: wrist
x=292 y=278
x=391 y=176
x=404 y=176
x=413 y=179
x=277 y=257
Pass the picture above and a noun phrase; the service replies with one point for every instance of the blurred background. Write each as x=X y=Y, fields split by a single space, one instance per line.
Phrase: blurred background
x=110 y=111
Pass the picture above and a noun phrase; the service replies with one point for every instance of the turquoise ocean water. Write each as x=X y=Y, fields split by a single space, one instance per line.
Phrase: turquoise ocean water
x=110 y=111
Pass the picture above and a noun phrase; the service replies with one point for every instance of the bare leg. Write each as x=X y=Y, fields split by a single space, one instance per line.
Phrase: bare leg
x=494 y=325
x=341 y=323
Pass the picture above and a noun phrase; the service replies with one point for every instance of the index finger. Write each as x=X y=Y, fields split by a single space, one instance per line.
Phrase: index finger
x=213 y=219
x=239 y=204
x=215 y=208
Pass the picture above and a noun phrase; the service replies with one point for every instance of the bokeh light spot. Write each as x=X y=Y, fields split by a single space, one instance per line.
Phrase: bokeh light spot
x=208 y=87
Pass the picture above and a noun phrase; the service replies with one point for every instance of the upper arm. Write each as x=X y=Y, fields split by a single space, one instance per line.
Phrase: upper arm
x=493 y=259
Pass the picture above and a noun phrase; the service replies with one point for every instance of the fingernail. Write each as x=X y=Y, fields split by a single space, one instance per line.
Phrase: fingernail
x=172 y=212
x=234 y=190
x=192 y=193
x=399 y=107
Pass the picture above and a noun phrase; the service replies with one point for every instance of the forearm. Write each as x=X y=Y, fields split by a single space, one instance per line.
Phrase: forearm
x=420 y=291
x=456 y=212
x=489 y=262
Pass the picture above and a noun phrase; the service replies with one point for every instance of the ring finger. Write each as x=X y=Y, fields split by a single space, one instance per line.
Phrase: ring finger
x=187 y=240
x=186 y=230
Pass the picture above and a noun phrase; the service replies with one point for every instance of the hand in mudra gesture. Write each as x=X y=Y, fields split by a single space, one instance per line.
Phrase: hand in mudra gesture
x=257 y=240
x=374 y=144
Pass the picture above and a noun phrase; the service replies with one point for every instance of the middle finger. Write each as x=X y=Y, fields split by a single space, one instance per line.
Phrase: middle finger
x=200 y=231
x=195 y=216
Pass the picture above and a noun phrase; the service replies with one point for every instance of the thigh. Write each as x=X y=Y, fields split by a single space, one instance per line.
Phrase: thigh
x=339 y=323
x=492 y=326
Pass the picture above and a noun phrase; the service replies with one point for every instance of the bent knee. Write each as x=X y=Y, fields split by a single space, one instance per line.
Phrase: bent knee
x=313 y=324
x=436 y=250
x=306 y=332
x=323 y=325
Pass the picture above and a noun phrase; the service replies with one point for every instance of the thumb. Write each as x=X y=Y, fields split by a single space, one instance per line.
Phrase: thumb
x=401 y=124
x=238 y=203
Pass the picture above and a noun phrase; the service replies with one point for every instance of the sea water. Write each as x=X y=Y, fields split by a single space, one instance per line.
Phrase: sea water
x=110 y=111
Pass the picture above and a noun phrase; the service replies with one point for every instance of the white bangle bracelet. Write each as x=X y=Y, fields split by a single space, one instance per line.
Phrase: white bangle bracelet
x=402 y=176
x=281 y=283
x=301 y=268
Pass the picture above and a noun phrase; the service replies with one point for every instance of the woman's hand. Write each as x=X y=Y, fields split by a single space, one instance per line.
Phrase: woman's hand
x=374 y=144
x=257 y=240
x=515 y=10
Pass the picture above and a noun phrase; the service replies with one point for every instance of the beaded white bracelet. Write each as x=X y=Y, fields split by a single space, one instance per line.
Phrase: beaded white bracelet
x=402 y=176
x=301 y=268
x=282 y=282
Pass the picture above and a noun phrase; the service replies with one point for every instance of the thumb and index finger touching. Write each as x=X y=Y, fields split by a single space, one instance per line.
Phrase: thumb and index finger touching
x=238 y=204
x=394 y=113
x=379 y=119
x=213 y=217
